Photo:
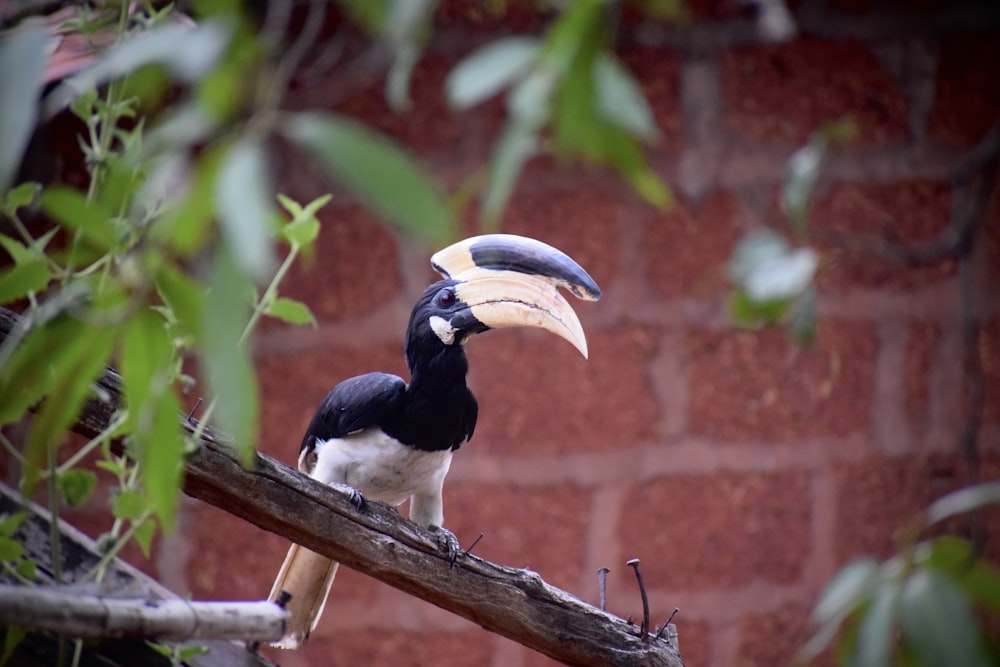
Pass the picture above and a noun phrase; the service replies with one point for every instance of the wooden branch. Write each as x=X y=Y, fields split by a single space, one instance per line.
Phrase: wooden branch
x=67 y=610
x=376 y=541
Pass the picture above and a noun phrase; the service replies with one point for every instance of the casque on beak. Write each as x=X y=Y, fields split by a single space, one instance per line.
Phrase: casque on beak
x=512 y=281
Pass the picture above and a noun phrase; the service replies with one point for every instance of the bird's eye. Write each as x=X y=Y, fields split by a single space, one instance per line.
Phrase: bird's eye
x=446 y=298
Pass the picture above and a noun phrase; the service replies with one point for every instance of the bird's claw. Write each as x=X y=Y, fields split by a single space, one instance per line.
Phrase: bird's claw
x=450 y=543
x=353 y=495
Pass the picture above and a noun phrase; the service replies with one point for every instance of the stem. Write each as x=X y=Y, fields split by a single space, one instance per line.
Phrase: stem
x=12 y=450
x=55 y=538
x=97 y=574
x=95 y=442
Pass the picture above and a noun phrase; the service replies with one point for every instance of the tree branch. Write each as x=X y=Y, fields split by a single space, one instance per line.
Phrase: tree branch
x=376 y=541
x=67 y=611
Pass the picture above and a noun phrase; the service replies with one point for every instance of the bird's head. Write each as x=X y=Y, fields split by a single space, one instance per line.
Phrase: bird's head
x=495 y=281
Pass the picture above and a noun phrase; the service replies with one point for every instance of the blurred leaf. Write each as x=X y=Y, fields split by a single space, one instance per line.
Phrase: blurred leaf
x=27 y=569
x=766 y=268
x=838 y=131
x=303 y=228
x=850 y=588
x=73 y=378
x=293 y=312
x=22 y=64
x=14 y=636
x=750 y=314
x=185 y=226
x=964 y=500
x=10 y=550
x=371 y=14
x=184 y=297
x=186 y=51
x=128 y=505
x=76 y=486
x=405 y=28
x=875 y=639
x=489 y=69
x=22 y=279
x=9 y=523
x=620 y=99
x=376 y=171
x=800 y=179
x=21 y=196
x=956 y=557
x=938 y=622
x=802 y=317
x=518 y=143
x=153 y=409
x=70 y=209
x=244 y=194
x=226 y=361
x=144 y=534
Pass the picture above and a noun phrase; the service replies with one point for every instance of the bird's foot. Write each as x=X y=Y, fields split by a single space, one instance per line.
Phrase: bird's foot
x=449 y=542
x=353 y=495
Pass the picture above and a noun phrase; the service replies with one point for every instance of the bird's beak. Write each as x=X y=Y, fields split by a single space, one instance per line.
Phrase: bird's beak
x=513 y=281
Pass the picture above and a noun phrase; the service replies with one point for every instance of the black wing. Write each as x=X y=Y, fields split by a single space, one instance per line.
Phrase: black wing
x=354 y=404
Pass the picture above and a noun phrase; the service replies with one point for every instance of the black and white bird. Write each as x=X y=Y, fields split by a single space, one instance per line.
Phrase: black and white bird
x=391 y=440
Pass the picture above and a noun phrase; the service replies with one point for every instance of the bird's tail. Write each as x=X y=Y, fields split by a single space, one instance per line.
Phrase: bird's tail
x=307 y=576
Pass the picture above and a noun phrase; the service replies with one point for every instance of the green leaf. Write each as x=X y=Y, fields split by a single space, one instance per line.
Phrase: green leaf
x=225 y=360
x=875 y=635
x=82 y=366
x=9 y=523
x=21 y=196
x=801 y=175
x=750 y=314
x=23 y=279
x=17 y=250
x=243 y=194
x=376 y=171
x=489 y=69
x=957 y=558
x=517 y=144
x=802 y=317
x=303 y=228
x=15 y=635
x=128 y=505
x=185 y=226
x=184 y=297
x=22 y=65
x=153 y=409
x=964 y=500
x=938 y=623
x=144 y=534
x=76 y=486
x=70 y=209
x=112 y=466
x=404 y=30
x=27 y=569
x=291 y=311
x=847 y=591
x=10 y=549
x=620 y=99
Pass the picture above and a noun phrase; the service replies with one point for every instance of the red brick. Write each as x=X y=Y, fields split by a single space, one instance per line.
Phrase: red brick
x=920 y=347
x=538 y=395
x=397 y=648
x=705 y=532
x=582 y=222
x=851 y=218
x=760 y=386
x=658 y=72
x=686 y=248
x=354 y=271
x=967 y=98
x=878 y=498
x=292 y=387
x=544 y=530
x=773 y=638
x=783 y=92
x=989 y=356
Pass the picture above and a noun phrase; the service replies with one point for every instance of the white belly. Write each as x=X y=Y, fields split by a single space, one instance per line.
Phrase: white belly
x=379 y=467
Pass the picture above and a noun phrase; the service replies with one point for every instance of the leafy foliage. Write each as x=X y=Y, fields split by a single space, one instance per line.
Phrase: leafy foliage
x=916 y=608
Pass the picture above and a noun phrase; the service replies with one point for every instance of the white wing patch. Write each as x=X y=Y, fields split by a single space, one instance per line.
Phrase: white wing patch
x=379 y=467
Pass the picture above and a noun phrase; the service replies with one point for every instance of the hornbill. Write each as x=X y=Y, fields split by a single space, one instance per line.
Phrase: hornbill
x=390 y=440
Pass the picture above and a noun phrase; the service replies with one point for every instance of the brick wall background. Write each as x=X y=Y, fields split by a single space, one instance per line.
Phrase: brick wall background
x=742 y=470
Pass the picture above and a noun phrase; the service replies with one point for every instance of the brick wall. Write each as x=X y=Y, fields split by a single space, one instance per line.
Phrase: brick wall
x=741 y=469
